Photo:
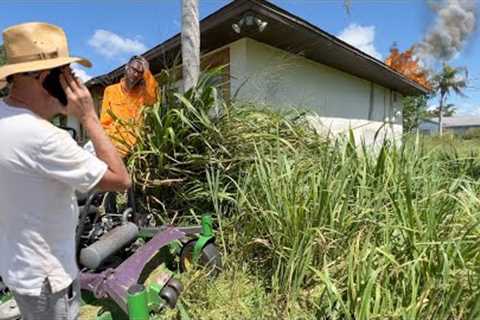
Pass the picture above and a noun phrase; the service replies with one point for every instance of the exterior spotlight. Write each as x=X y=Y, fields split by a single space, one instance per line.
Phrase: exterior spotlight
x=236 y=27
x=249 y=21
x=261 y=24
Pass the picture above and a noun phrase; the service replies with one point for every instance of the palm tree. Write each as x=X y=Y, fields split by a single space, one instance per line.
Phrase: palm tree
x=190 y=43
x=448 y=110
x=448 y=80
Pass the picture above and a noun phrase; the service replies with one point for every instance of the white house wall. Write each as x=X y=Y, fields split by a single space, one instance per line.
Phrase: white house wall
x=266 y=75
x=73 y=123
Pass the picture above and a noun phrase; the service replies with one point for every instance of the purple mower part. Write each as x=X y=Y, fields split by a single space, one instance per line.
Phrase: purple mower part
x=114 y=283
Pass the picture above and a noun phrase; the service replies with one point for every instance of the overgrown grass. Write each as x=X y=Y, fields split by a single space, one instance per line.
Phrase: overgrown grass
x=450 y=143
x=312 y=228
x=361 y=236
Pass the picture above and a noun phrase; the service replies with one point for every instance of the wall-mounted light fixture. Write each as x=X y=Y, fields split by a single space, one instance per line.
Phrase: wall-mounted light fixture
x=249 y=21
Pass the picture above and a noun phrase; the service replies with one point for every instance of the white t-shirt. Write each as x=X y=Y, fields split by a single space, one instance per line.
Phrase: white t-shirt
x=41 y=166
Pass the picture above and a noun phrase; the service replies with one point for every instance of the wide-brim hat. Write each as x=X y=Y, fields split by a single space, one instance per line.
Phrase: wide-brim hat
x=33 y=47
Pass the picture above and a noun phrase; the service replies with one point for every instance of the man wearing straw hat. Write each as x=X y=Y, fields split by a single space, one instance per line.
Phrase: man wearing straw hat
x=41 y=167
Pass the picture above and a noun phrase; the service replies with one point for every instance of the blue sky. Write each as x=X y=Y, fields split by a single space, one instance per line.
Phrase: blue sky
x=108 y=32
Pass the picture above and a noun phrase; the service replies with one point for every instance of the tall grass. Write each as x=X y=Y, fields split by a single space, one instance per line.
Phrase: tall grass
x=360 y=236
x=327 y=229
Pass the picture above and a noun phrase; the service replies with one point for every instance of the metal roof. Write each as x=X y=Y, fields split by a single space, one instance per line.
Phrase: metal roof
x=460 y=121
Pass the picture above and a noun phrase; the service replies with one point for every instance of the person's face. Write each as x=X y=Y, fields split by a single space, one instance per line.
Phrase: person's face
x=134 y=73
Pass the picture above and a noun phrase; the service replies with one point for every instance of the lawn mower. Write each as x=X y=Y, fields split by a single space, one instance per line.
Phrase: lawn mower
x=116 y=255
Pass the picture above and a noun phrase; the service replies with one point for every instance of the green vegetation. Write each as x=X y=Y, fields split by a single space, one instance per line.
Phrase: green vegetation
x=414 y=112
x=311 y=228
x=464 y=147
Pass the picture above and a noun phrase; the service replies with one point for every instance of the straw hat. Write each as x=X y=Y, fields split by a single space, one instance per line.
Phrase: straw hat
x=35 y=46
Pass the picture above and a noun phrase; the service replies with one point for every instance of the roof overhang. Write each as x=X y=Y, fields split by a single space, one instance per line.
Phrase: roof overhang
x=284 y=31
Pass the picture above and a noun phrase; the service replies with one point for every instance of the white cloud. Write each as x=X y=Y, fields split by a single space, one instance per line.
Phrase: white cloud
x=361 y=37
x=111 y=45
x=82 y=74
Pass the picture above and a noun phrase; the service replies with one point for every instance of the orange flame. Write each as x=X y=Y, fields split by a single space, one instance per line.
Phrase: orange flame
x=408 y=65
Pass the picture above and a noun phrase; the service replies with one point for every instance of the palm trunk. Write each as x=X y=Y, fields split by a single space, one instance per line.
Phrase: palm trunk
x=440 y=115
x=190 y=43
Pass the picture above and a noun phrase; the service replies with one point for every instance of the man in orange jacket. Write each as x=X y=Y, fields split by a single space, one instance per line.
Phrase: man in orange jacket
x=123 y=101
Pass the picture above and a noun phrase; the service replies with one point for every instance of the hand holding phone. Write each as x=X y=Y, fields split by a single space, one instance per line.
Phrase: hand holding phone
x=79 y=100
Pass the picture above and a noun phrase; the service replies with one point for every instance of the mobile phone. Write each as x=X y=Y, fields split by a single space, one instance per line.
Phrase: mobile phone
x=53 y=86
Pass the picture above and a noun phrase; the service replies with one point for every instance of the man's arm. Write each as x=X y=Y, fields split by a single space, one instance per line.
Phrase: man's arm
x=80 y=105
x=151 y=85
x=151 y=88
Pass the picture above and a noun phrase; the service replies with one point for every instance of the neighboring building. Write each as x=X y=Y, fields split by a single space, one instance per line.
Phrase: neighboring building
x=455 y=125
x=290 y=63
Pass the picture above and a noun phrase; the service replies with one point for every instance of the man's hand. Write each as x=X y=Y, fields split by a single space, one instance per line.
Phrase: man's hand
x=80 y=102
x=146 y=65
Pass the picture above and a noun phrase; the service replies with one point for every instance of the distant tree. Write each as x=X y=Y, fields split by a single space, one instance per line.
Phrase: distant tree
x=414 y=111
x=448 y=111
x=448 y=80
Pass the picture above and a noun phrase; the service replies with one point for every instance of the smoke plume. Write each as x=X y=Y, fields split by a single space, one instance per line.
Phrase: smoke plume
x=454 y=23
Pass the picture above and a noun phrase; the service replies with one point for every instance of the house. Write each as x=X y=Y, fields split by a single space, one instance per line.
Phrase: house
x=276 y=58
x=455 y=125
